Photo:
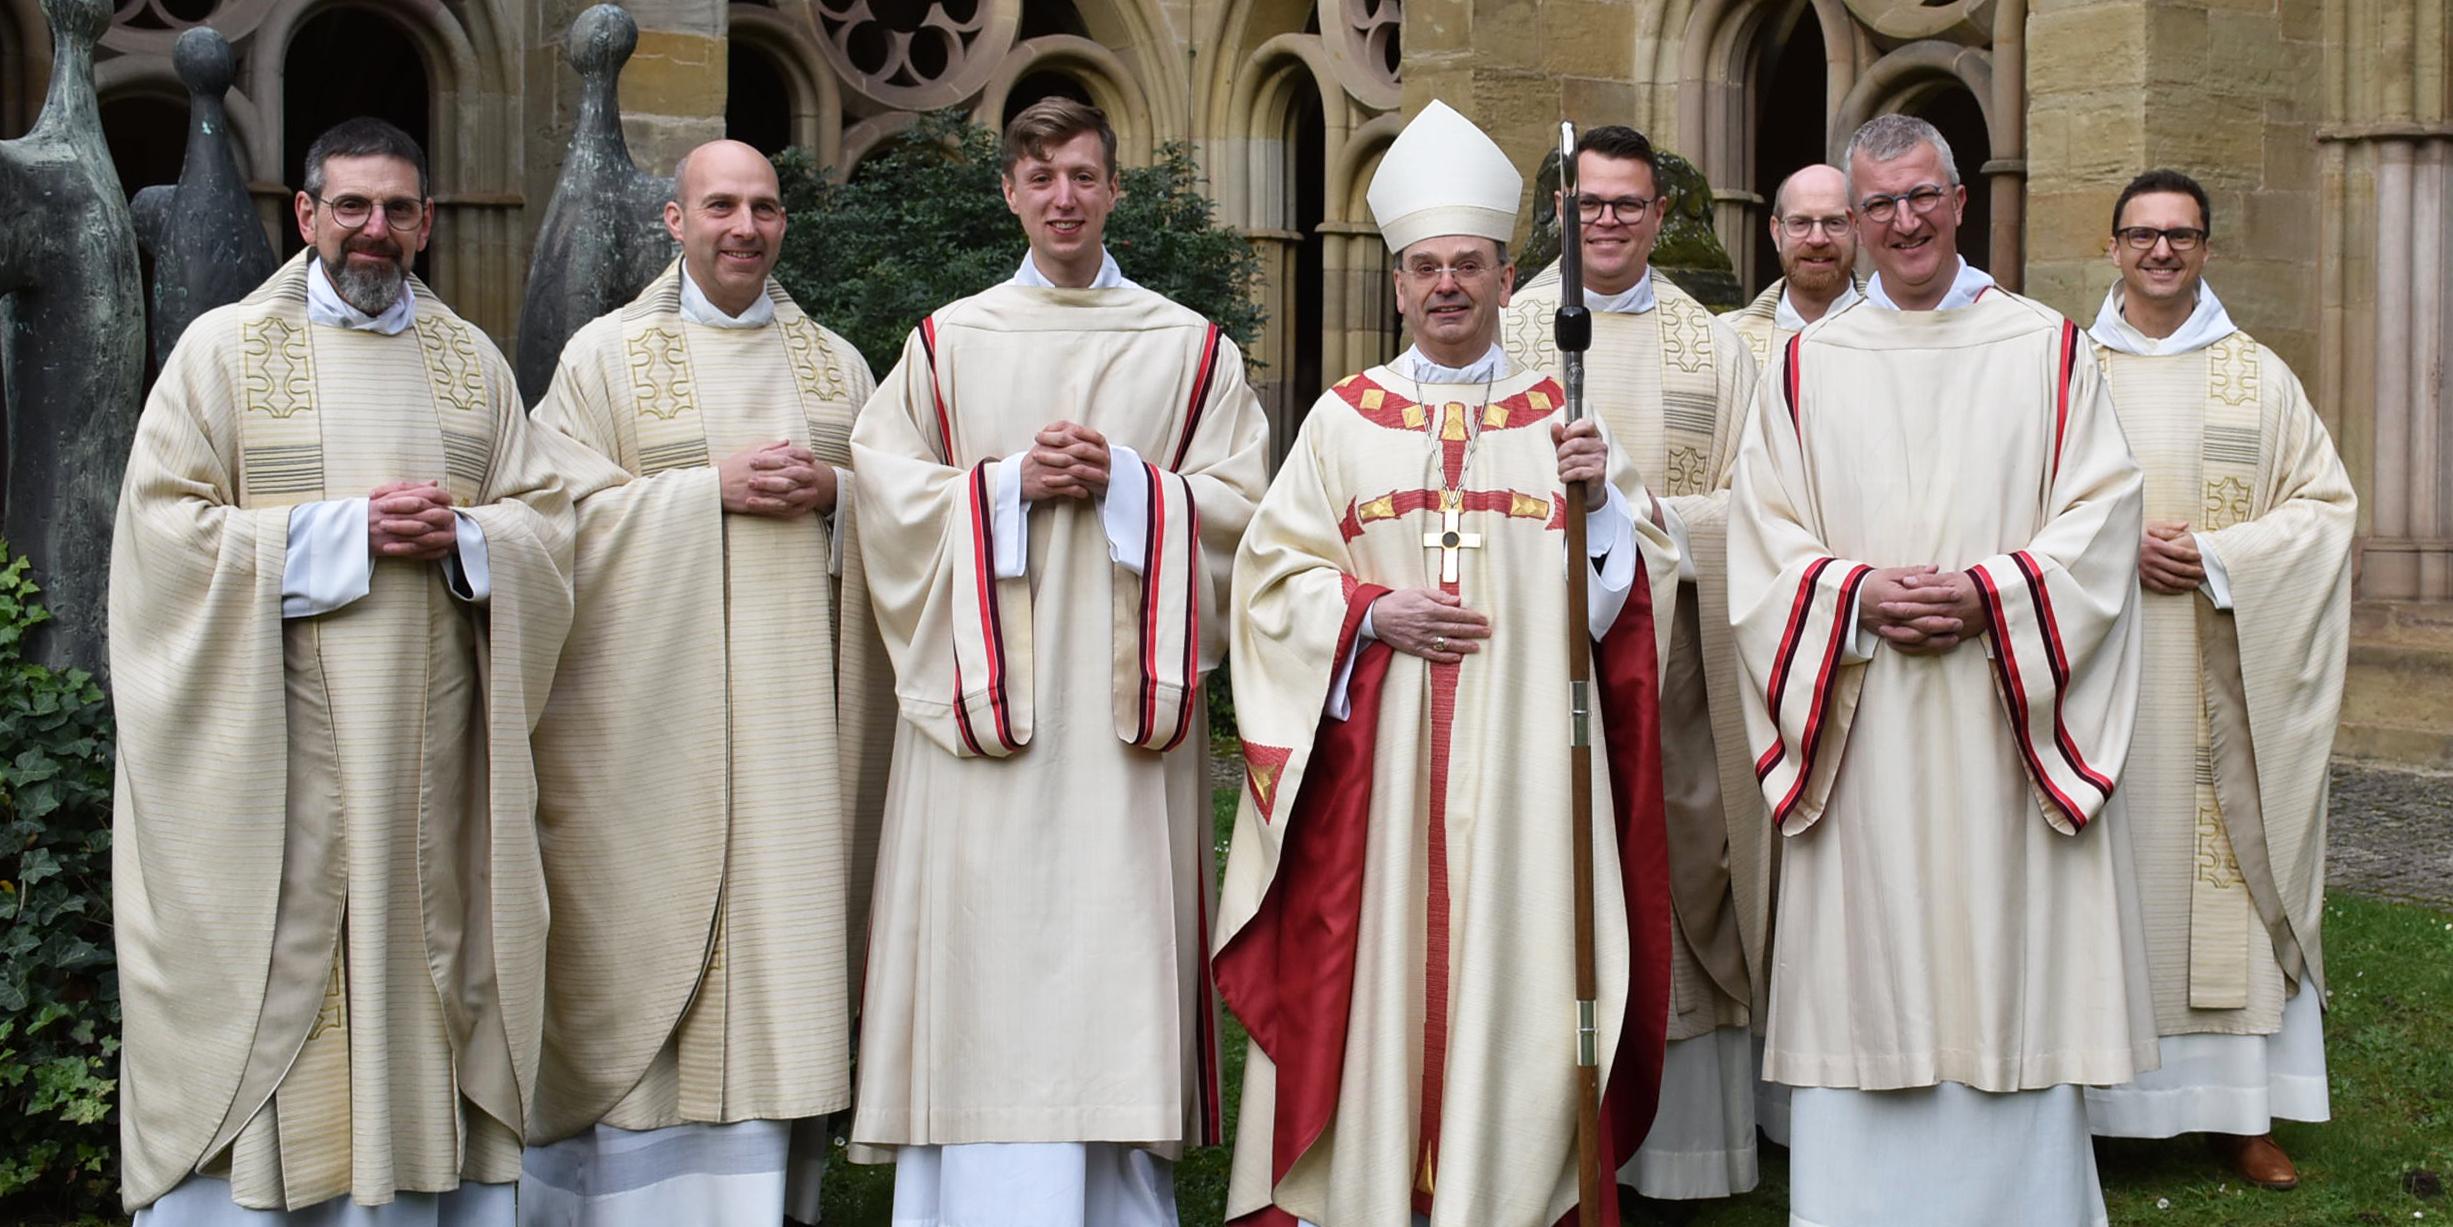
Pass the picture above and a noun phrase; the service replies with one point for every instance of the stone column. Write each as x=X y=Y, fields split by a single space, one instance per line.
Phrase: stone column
x=2408 y=554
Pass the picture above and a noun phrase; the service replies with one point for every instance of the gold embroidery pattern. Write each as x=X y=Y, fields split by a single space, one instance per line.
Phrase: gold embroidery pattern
x=334 y=1015
x=1686 y=471
x=2217 y=866
x=2227 y=503
x=1686 y=340
x=660 y=374
x=814 y=364
x=1530 y=335
x=274 y=367
x=2232 y=376
x=451 y=364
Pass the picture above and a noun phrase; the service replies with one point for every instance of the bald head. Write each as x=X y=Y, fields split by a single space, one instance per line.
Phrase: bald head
x=1818 y=186
x=720 y=159
x=727 y=213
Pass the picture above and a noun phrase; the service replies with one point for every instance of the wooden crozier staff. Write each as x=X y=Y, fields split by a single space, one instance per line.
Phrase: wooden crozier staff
x=1574 y=333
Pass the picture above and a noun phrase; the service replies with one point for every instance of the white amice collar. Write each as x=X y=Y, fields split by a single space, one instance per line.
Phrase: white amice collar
x=2207 y=324
x=1964 y=289
x=1109 y=277
x=1634 y=300
x=1489 y=368
x=697 y=308
x=1786 y=317
x=326 y=306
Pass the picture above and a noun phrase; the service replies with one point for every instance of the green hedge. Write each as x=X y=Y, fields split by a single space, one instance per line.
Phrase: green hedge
x=59 y=990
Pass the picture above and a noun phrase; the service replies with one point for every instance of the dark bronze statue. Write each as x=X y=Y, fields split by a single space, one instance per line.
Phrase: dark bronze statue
x=72 y=341
x=207 y=242
x=603 y=238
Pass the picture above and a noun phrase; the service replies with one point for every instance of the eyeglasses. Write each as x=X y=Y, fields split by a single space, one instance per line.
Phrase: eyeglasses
x=1627 y=209
x=1800 y=227
x=2142 y=238
x=1429 y=273
x=1920 y=200
x=353 y=212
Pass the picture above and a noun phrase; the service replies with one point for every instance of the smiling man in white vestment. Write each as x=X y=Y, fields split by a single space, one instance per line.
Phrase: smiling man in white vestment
x=339 y=582
x=1933 y=550
x=703 y=754
x=2246 y=565
x=1052 y=483
x=1814 y=233
x=1674 y=386
x=1398 y=920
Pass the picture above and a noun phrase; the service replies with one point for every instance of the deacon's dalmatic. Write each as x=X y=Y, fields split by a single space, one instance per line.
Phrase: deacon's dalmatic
x=329 y=911
x=1037 y=1020
x=2245 y=654
x=1673 y=385
x=712 y=742
x=1397 y=924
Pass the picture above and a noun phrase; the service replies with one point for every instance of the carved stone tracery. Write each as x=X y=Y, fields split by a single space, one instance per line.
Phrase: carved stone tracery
x=152 y=26
x=915 y=54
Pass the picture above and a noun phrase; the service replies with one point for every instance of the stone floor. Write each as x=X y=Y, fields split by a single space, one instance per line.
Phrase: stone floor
x=2392 y=834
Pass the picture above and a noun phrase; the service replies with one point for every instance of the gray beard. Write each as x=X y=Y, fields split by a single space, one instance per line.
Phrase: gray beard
x=370 y=290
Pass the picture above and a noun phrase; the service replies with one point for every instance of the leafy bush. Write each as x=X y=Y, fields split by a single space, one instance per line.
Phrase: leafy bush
x=926 y=223
x=59 y=992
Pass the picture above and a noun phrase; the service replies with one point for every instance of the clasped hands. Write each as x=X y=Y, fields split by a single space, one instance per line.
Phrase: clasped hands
x=1065 y=460
x=1436 y=625
x=2168 y=558
x=410 y=520
x=1923 y=611
x=778 y=480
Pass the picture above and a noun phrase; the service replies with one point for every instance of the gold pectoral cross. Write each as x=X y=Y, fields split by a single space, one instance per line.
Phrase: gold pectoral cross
x=1451 y=540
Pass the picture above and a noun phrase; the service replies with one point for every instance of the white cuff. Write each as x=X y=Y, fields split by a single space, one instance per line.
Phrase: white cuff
x=330 y=562
x=1676 y=527
x=838 y=522
x=2218 y=583
x=1125 y=510
x=1009 y=525
x=1861 y=642
x=1609 y=541
x=1338 y=708
x=464 y=569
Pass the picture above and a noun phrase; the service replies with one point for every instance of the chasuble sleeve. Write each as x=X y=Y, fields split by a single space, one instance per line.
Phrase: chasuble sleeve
x=630 y=752
x=959 y=636
x=2061 y=622
x=199 y=808
x=1790 y=601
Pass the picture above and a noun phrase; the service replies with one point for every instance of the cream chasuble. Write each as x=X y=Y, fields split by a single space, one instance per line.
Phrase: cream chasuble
x=331 y=930
x=1397 y=917
x=1955 y=902
x=2227 y=786
x=1674 y=385
x=709 y=738
x=1037 y=962
x=1767 y=323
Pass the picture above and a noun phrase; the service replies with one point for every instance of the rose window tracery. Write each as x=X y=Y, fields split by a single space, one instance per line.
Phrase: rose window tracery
x=916 y=54
x=154 y=25
x=1366 y=46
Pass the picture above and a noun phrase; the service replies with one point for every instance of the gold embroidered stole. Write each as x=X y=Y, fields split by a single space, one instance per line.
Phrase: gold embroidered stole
x=2223 y=923
x=1690 y=391
x=664 y=392
x=1758 y=322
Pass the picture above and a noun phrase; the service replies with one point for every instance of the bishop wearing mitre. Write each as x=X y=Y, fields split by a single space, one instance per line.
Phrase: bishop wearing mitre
x=1398 y=918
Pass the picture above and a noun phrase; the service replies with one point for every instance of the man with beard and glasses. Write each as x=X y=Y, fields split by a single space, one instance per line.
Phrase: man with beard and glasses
x=711 y=741
x=1052 y=481
x=1673 y=384
x=1398 y=907
x=1933 y=562
x=1813 y=230
x=2246 y=565
x=339 y=585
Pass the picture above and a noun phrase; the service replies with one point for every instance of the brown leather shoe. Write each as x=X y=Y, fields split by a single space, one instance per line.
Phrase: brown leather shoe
x=2258 y=1160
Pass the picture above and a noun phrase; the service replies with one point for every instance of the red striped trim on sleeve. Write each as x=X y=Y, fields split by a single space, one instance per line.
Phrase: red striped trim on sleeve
x=1792 y=375
x=1193 y=583
x=992 y=623
x=1154 y=531
x=1203 y=380
x=2057 y=659
x=2061 y=395
x=1812 y=738
x=1789 y=638
x=936 y=390
x=2006 y=667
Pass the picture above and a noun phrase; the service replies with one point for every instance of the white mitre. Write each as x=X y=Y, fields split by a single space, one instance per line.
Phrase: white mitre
x=1443 y=176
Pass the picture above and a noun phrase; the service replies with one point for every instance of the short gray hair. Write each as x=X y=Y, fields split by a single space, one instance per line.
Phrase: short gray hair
x=1887 y=137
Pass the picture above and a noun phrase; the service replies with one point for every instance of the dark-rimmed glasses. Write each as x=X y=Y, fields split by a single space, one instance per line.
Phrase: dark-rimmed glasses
x=353 y=212
x=1627 y=209
x=2143 y=238
x=1921 y=200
